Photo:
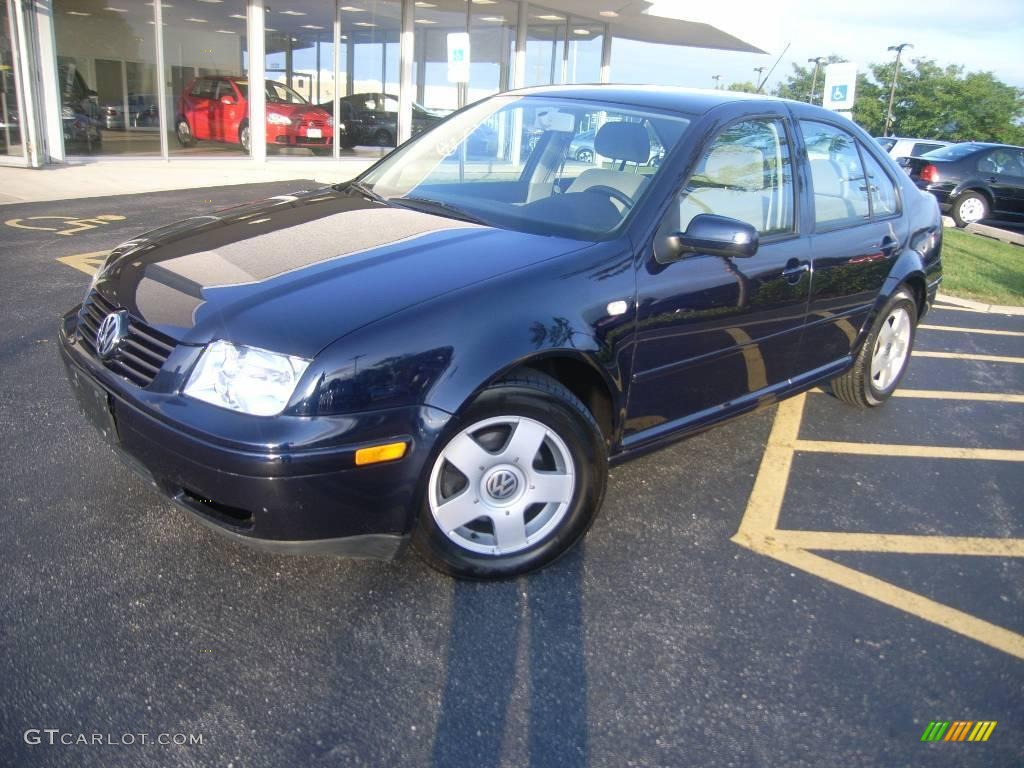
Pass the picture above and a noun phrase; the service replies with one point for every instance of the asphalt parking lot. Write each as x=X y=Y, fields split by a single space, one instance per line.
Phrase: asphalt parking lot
x=811 y=585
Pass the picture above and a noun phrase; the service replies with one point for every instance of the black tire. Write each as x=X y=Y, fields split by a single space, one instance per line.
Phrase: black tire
x=244 y=136
x=322 y=151
x=537 y=397
x=183 y=132
x=969 y=201
x=383 y=138
x=585 y=155
x=858 y=386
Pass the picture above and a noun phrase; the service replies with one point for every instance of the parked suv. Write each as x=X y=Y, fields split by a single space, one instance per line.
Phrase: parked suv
x=216 y=108
x=972 y=181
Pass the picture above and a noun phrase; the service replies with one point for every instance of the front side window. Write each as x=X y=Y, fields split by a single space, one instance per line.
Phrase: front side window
x=840 y=188
x=880 y=188
x=554 y=166
x=746 y=174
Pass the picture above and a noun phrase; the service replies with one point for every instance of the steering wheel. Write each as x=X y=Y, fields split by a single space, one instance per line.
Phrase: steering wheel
x=613 y=193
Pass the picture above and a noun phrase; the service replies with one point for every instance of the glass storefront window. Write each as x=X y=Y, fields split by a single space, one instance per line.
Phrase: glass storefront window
x=370 y=31
x=545 y=46
x=106 y=64
x=11 y=141
x=301 y=81
x=584 y=60
x=206 y=64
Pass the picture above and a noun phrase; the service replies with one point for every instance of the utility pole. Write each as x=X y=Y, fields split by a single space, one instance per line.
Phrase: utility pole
x=760 y=71
x=817 y=61
x=892 y=89
x=716 y=78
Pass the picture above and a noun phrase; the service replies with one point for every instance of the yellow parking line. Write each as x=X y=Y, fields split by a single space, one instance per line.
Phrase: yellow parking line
x=956 y=329
x=914 y=451
x=897 y=597
x=900 y=543
x=941 y=394
x=969 y=356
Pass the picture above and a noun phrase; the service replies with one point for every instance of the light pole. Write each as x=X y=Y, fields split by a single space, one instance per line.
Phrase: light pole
x=760 y=71
x=892 y=89
x=716 y=78
x=817 y=61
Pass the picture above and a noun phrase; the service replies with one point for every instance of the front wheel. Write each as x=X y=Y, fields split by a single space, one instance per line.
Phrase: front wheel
x=515 y=483
x=244 y=137
x=585 y=155
x=184 y=133
x=883 y=358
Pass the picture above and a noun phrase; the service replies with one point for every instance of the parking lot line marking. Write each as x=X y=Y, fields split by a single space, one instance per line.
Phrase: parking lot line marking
x=758 y=531
x=84 y=262
x=905 y=544
x=969 y=356
x=957 y=329
x=923 y=607
x=943 y=394
x=914 y=451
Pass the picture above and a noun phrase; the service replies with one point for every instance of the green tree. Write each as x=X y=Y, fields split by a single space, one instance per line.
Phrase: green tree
x=931 y=101
x=745 y=87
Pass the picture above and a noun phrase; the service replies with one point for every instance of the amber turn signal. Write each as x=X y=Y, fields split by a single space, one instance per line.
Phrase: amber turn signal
x=379 y=453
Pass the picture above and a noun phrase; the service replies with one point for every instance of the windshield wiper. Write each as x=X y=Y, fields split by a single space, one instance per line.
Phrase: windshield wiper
x=365 y=191
x=438 y=207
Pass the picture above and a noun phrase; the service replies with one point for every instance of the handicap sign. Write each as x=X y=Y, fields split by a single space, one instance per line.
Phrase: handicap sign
x=840 y=86
x=458 y=57
x=839 y=93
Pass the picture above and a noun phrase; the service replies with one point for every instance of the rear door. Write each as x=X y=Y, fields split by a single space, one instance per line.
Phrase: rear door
x=1002 y=169
x=858 y=231
x=199 y=99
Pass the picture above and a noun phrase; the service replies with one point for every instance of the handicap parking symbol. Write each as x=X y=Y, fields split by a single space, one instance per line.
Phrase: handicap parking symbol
x=839 y=93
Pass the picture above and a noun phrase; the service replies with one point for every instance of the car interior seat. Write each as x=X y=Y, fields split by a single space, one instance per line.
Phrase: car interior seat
x=622 y=142
x=831 y=185
x=732 y=183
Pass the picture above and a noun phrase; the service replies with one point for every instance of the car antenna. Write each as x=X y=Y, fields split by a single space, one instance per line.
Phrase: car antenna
x=759 y=87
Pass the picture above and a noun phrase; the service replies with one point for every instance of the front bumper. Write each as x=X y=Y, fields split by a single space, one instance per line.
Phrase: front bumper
x=299 y=137
x=288 y=497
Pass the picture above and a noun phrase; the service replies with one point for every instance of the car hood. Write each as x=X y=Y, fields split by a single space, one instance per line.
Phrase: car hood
x=296 y=272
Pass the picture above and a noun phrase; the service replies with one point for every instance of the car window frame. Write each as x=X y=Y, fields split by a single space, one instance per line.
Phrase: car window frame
x=787 y=121
x=887 y=173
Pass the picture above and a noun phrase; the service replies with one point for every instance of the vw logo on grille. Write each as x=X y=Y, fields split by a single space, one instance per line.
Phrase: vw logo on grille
x=502 y=484
x=110 y=333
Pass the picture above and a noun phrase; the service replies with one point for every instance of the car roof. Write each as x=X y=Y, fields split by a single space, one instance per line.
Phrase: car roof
x=673 y=98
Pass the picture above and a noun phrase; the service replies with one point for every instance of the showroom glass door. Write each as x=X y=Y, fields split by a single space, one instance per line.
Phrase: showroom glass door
x=12 y=144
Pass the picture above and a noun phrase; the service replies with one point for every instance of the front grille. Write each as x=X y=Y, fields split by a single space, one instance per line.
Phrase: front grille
x=312 y=123
x=140 y=355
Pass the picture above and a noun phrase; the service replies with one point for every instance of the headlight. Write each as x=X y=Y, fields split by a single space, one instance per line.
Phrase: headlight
x=276 y=118
x=245 y=379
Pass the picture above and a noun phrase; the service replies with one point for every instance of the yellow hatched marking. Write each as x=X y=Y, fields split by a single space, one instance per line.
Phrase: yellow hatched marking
x=969 y=356
x=85 y=262
x=759 y=532
x=957 y=329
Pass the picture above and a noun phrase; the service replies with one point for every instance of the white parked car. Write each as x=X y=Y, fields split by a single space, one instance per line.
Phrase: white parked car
x=900 y=147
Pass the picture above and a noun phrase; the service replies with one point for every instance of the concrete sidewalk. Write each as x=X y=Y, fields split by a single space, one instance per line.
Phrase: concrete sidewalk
x=101 y=178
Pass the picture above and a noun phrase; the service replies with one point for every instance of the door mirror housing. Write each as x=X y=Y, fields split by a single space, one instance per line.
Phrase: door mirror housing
x=714 y=235
x=228 y=100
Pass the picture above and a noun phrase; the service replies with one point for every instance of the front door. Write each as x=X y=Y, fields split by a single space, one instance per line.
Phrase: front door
x=1004 y=173
x=715 y=334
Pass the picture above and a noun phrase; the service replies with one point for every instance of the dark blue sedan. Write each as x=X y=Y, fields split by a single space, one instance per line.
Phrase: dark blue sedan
x=452 y=349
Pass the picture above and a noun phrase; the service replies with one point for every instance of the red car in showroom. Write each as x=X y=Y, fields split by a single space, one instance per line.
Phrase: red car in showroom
x=216 y=108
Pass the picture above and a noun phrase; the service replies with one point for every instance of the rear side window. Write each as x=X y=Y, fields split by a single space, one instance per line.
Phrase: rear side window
x=840 y=187
x=204 y=88
x=880 y=188
x=746 y=174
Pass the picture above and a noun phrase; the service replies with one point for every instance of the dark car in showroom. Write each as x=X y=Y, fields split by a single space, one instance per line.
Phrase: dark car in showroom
x=972 y=181
x=372 y=118
x=453 y=352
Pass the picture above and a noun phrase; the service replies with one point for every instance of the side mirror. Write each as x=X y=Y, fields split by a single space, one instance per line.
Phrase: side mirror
x=227 y=100
x=715 y=236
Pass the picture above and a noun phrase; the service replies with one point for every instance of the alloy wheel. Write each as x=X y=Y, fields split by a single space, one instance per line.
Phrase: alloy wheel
x=892 y=347
x=502 y=485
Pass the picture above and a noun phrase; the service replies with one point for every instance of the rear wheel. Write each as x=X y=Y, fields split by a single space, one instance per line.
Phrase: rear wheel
x=883 y=359
x=585 y=155
x=383 y=138
x=244 y=137
x=969 y=208
x=515 y=483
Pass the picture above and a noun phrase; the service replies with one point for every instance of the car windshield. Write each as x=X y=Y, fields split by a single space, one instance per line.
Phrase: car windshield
x=512 y=162
x=953 y=151
x=886 y=144
x=277 y=93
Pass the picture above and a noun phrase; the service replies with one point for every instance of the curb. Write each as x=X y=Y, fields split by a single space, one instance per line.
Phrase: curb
x=979 y=306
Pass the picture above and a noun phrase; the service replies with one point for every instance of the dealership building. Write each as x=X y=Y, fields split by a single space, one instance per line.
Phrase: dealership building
x=134 y=79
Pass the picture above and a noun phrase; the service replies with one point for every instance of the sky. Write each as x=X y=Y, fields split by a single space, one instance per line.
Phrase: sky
x=980 y=35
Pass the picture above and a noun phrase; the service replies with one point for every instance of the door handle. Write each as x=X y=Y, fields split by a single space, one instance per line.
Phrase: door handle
x=991 y=179
x=794 y=272
x=888 y=245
